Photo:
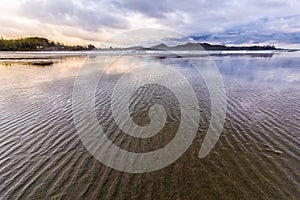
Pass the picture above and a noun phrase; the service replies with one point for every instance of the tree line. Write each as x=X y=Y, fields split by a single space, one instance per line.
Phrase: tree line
x=38 y=44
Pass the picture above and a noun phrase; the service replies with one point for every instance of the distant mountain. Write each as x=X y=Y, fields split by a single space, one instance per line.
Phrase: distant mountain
x=209 y=47
x=161 y=46
x=38 y=44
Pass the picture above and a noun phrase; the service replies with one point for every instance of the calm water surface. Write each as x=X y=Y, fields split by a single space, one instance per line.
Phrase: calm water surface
x=257 y=156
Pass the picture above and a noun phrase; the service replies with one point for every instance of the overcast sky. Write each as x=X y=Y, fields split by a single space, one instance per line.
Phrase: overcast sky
x=232 y=22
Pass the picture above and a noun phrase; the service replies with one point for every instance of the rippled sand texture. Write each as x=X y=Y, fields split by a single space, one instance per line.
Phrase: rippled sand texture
x=257 y=156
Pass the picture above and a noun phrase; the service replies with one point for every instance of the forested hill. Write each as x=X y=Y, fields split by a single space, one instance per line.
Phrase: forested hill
x=38 y=44
x=210 y=47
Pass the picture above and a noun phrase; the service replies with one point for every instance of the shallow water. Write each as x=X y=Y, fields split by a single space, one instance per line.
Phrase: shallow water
x=256 y=157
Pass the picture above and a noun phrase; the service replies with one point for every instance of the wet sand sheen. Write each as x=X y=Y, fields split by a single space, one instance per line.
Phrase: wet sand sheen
x=257 y=156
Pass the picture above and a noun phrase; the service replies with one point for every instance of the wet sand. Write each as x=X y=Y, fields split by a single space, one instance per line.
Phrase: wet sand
x=256 y=157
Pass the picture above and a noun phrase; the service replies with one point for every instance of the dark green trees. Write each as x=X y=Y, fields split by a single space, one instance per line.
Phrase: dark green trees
x=38 y=44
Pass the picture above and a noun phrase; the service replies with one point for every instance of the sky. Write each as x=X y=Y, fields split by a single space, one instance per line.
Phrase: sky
x=230 y=22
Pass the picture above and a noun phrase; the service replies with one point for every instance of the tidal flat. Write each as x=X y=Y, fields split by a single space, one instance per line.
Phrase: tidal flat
x=256 y=157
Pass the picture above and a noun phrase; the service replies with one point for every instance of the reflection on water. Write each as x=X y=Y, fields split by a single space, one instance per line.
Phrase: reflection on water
x=257 y=156
x=273 y=70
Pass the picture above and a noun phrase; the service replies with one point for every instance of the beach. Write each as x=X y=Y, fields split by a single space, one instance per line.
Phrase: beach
x=256 y=156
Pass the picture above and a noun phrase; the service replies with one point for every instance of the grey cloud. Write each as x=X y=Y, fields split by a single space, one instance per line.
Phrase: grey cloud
x=277 y=30
x=90 y=15
x=230 y=21
x=155 y=9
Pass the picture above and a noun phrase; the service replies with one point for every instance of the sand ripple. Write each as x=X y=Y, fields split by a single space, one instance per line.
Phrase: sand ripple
x=257 y=156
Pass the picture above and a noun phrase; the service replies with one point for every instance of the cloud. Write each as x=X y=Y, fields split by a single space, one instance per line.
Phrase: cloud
x=231 y=21
x=268 y=31
x=90 y=15
x=151 y=9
